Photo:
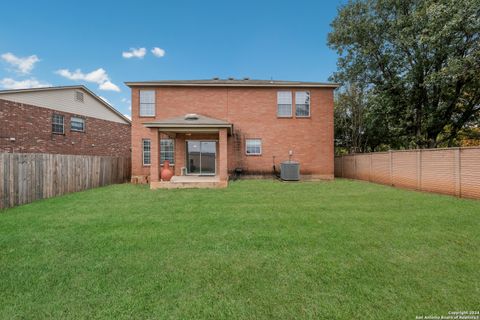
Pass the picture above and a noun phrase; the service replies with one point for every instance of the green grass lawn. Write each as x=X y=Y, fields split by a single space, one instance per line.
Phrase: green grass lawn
x=256 y=250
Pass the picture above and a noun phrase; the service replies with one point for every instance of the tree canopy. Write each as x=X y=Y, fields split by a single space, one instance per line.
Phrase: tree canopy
x=410 y=70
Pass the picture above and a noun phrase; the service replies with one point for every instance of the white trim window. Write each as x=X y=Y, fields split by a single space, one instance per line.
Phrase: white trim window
x=146 y=152
x=253 y=147
x=284 y=103
x=58 y=124
x=302 y=104
x=77 y=124
x=167 y=150
x=147 y=103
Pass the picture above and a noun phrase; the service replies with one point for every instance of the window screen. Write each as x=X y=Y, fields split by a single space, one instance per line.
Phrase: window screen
x=253 y=146
x=77 y=124
x=284 y=103
x=146 y=152
x=302 y=104
x=167 y=150
x=57 y=124
x=147 y=103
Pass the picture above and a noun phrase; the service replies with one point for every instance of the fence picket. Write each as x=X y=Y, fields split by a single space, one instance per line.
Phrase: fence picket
x=28 y=177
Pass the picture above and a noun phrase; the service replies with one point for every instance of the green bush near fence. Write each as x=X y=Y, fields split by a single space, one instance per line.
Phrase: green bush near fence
x=256 y=250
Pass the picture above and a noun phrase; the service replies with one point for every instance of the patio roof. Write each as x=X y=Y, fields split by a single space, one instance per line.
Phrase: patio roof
x=190 y=123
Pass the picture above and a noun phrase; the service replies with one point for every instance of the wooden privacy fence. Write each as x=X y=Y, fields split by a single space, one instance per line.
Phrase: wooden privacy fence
x=454 y=171
x=26 y=177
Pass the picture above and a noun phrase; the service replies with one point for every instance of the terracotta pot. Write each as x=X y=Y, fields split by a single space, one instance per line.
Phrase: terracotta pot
x=167 y=172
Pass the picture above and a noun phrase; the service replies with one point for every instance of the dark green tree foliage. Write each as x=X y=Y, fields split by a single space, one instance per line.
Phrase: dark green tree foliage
x=418 y=66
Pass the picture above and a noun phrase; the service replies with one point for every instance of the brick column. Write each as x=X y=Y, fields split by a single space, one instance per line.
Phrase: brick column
x=155 y=156
x=222 y=159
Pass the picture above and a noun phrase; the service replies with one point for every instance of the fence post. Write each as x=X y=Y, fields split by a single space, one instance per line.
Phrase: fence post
x=391 y=166
x=354 y=166
x=342 y=165
x=370 y=169
x=419 y=169
x=458 y=187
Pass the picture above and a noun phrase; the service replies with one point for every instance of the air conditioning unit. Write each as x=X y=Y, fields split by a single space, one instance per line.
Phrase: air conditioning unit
x=290 y=170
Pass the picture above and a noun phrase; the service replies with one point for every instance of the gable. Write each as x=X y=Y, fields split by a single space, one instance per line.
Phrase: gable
x=64 y=100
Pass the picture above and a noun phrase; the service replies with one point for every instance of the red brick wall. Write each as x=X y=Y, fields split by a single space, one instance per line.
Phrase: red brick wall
x=253 y=111
x=31 y=126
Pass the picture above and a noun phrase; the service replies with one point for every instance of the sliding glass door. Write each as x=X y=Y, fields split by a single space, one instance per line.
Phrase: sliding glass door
x=201 y=157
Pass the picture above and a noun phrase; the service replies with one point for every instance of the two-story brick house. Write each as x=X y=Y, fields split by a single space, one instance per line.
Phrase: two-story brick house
x=212 y=127
x=61 y=120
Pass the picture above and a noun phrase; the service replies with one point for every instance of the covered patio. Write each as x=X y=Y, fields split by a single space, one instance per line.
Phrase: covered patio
x=200 y=152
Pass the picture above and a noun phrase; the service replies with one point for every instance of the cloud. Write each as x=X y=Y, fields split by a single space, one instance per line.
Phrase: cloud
x=98 y=76
x=128 y=116
x=22 y=65
x=134 y=53
x=9 y=83
x=158 y=52
x=109 y=86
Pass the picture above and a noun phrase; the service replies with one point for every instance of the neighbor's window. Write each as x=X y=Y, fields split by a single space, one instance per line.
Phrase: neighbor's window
x=57 y=124
x=79 y=96
x=167 y=151
x=146 y=144
x=284 y=103
x=147 y=103
x=77 y=124
x=253 y=146
x=302 y=104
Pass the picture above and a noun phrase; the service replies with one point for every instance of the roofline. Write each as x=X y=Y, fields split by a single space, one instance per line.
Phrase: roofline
x=226 y=84
x=187 y=126
x=118 y=113
x=42 y=89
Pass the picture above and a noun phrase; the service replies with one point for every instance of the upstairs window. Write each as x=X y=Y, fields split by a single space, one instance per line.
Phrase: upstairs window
x=147 y=103
x=284 y=103
x=167 y=151
x=77 y=124
x=79 y=96
x=58 y=124
x=302 y=104
x=253 y=147
x=146 y=152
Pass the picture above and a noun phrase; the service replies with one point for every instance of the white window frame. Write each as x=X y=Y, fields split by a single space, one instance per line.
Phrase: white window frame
x=281 y=95
x=307 y=104
x=149 y=151
x=259 y=145
x=77 y=119
x=58 y=124
x=142 y=112
x=162 y=154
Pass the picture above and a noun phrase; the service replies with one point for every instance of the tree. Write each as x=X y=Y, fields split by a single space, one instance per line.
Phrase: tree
x=350 y=119
x=419 y=62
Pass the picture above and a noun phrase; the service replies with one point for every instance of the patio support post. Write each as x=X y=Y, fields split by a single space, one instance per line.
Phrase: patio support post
x=222 y=146
x=155 y=156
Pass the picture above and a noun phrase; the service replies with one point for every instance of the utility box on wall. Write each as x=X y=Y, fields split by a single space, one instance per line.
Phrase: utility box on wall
x=290 y=170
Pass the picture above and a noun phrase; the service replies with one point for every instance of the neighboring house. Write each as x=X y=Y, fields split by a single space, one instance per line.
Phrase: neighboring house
x=61 y=120
x=213 y=127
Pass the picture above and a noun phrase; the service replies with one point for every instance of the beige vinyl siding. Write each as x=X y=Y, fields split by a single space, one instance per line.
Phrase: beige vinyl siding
x=64 y=100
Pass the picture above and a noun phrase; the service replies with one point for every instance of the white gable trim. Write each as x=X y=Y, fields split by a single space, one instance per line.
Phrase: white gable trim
x=63 y=99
